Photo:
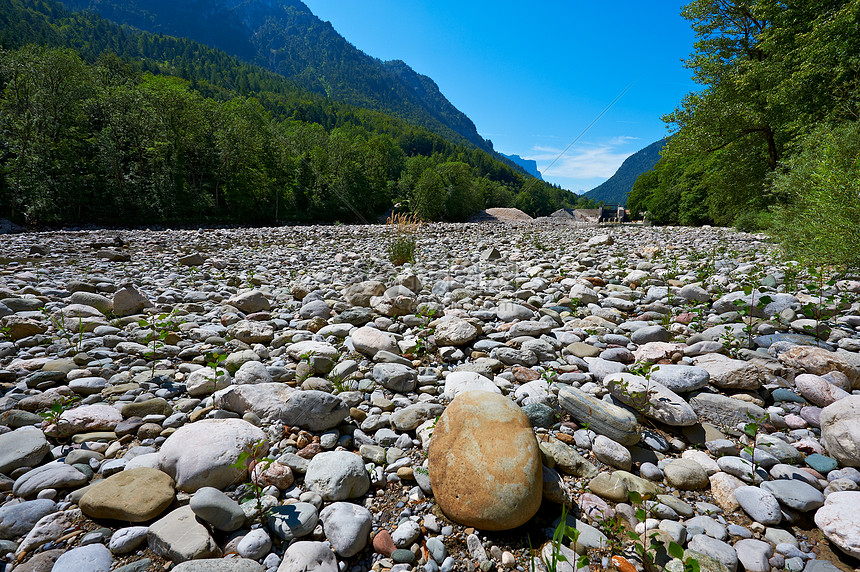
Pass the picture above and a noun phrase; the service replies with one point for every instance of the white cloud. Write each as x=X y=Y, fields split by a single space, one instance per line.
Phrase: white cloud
x=584 y=161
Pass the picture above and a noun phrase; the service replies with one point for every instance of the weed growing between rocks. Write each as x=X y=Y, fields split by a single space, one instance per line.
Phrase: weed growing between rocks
x=404 y=241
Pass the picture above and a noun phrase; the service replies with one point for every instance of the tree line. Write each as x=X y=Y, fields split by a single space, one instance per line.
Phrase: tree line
x=773 y=133
x=108 y=124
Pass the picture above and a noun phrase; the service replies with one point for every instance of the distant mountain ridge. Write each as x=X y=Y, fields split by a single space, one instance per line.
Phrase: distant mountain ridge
x=616 y=188
x=286 y=37
x=528 y=165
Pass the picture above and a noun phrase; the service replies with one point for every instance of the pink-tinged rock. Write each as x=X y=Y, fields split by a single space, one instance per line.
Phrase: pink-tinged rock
x=88 y=418
x=808 y=446
x=723 y=487
x=652 y=352
x=795 y=421
x=811 y=415
x=839 y=520
x=840 y=430
x=819 y=361
x=818 y=390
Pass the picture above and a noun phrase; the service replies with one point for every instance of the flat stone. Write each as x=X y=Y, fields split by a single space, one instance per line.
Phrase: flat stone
x=680 y=378
x=217 y=509
x=24 y=447
x=179 y=537
x=310 y=409
x=54 y=475
x=135 y=495
x=610 y=487
x=796 y=495
x=651 y=398
x=724 y=411
x=219 y=565
x=90 y=558
x=88 y=418
x=17 y=519
x=759 y=504
x=728 y=373
x=564 y=458
x=603 y=418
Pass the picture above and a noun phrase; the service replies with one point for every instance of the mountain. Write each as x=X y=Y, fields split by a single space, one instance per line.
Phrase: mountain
x=286 y=37
x=528 y=165
x=614 y=191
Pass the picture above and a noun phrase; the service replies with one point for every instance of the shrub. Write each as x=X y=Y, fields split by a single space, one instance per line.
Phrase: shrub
x=820 y=222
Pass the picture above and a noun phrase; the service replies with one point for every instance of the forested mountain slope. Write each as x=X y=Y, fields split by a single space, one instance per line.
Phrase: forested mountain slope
x=100 y=122
x=286 y=37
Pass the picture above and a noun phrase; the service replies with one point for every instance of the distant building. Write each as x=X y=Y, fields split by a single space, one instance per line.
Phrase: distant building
x=613 y=213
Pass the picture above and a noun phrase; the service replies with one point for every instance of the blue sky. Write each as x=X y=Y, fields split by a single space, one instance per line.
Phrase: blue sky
x=533 y=75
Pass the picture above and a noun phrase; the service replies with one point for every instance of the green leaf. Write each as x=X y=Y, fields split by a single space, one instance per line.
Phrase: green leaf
x=634 y=497
x=641 y=515
x=675 y=550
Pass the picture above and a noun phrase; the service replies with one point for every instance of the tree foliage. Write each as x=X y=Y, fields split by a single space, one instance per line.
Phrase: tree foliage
x=103 y=123
x=771 y=72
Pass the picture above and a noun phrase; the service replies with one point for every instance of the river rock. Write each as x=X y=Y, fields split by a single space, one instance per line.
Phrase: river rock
x=728 y=373
x=652 y=398
x=840 y=430
x=201 y=454
x=179 y=537
x=481 y=440
x=759 y=504
x=310 y=409
x=680 y=378
x=604 y=418
x=308 y=556
x=135 y=495
x=347 y=527
x=839 y=520
x=23 y=447
x=337 y=475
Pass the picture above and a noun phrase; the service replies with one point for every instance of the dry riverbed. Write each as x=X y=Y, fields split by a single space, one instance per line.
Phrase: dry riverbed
x=431 y=416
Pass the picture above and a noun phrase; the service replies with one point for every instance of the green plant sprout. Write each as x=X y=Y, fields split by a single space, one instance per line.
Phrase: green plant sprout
x=251 y=459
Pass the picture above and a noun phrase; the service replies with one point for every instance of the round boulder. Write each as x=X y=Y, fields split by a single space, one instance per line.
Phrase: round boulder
x=202 y=454
x=484 y=462
x=337 y=475
x=686 y=475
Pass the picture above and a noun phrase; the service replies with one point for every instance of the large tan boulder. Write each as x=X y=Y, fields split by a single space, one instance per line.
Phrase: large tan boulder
x=135 y=495
x=484 y=462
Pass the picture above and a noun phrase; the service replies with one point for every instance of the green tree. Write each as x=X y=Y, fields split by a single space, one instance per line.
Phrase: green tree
x=820 y=220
